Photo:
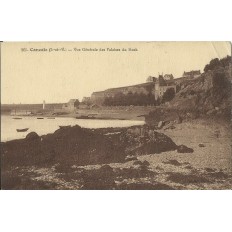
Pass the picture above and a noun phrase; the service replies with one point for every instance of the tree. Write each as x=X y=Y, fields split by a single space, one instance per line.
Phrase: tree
x=225 y=61
x=216 y=63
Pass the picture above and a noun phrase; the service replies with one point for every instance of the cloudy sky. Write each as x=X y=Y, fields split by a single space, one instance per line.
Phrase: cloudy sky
x=33 y=76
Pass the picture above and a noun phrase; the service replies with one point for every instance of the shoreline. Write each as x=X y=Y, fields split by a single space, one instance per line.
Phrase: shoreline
x=106 y=113
x=139 y=168
x=77 y=116
x=56 y=123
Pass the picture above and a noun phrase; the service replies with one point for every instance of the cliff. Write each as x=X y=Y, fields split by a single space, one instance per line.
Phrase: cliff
x=208 y=94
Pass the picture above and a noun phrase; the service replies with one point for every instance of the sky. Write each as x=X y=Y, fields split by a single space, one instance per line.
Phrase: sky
x=56 y=76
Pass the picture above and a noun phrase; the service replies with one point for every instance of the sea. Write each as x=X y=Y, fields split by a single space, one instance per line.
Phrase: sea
x=46 y=126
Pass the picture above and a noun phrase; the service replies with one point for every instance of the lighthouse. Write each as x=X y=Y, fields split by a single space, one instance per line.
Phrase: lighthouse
x=43 y=105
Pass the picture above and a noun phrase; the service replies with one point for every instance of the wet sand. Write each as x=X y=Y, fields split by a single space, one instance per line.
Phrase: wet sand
x=214 y=136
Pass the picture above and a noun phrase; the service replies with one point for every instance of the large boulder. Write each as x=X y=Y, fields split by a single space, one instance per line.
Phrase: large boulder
x=32 y=136
x=98 y=179
x=184 y=149
x=149 y=143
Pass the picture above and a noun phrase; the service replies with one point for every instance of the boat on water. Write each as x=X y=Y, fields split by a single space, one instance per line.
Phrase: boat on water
x=63 y=127
x=50 y=118
x=17 y=118
x=40 y=118
x=85 y=117
x=22 y=130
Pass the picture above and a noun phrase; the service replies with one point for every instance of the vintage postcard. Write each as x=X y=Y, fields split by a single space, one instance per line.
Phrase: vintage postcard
x=116 y=115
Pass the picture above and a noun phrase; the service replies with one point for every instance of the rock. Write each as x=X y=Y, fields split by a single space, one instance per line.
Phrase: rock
x=149 y=145
x=146 y=163
x=138 y=162
x=144 y=186
x=216 y=108
x=201 y=145
x=187 y=178
x=63 y=168
x=184 y=149
x=134 y=131
x=105 y=169
x=210 y=170
x=160 y=124
x=169 y=126
x=85 y=146
x=32 y=136
x=98 y=179
x=173 y=162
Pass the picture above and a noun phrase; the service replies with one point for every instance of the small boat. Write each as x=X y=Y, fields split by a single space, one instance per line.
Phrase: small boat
x=22 y=130
x=50 y=118
x=17 y=118
x=40 y=118
x=63 y=127
x=85 y=117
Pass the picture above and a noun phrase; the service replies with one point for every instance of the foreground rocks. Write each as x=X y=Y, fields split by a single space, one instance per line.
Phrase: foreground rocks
x=70 y=145
x=79 y=146
x=138 y=175
x=76 y=146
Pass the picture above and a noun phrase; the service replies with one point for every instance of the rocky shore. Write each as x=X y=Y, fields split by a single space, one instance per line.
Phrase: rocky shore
x=80 y=146
x=138 y=157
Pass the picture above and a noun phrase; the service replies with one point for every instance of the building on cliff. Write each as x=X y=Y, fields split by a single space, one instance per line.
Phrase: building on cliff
x=168 y=77
x=151 y=79
x=192 y=74
x=162 y=85
x=154 y=86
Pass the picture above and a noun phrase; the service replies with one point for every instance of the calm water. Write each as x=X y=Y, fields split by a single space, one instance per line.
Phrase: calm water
x=45 y=126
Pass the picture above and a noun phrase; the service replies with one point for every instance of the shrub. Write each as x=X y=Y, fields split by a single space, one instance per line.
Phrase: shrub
x=216 y=63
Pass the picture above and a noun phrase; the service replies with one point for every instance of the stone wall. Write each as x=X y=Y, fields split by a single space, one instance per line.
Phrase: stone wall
x=157 y=88
x=145 y=88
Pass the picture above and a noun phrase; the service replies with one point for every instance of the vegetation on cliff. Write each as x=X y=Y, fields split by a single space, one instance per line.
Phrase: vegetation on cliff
x=216 y=63
x=208 y=95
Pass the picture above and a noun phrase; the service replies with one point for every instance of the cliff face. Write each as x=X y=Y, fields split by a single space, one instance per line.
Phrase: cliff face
x=210 y=93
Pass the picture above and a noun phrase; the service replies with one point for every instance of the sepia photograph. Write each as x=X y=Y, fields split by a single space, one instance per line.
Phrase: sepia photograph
x=116 y=116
